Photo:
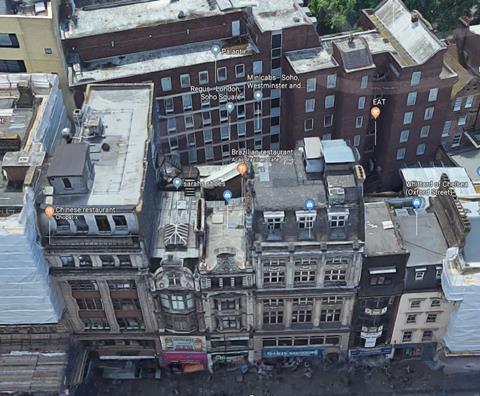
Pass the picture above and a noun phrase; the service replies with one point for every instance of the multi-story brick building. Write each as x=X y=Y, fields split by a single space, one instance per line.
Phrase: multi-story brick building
x=307 y=232
x=99 y=182
x=170 y=43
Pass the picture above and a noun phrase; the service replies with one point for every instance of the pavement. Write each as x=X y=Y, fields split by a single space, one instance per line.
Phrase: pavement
x=403 y=378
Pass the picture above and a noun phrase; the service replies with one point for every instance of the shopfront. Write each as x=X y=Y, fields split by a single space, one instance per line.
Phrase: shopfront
x=358 y=353
x=184 y=354
x=418 y=351
x=273 y=353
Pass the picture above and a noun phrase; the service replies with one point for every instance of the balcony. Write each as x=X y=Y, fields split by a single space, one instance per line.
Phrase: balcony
x=92 y=243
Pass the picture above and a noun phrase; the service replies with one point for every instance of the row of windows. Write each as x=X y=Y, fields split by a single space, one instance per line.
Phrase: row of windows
x=81 y=225
x=301 y=341
x=330 y=276
x=427 y=115
x=91 y=285
x=279 y=302
x=302 y=316
x=412 y=96
x=102 y=324
x=204 y=78
x=457 y=106
x=401 y=152
x=85 y=261
x=427 y=335
x=177 y=302
x=431 y=317
x=304 y=261
x=424 y=132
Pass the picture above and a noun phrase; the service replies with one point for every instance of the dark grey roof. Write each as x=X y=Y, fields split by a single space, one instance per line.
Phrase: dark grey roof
x=68 y=160
x=355 y=53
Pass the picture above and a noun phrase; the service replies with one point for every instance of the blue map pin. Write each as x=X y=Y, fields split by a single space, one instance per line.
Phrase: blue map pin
x=309 y=204
x=227 y=196
x=177 y=182
x=417 y=202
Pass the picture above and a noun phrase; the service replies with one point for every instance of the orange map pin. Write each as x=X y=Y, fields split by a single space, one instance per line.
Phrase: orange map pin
x=242 y=168
x=375 y=112
x=49 y=211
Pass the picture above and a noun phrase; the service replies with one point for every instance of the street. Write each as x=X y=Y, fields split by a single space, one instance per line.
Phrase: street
x=405 y=378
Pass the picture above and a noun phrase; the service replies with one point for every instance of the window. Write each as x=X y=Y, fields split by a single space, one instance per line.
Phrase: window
x=407 y=336
x=462 y=120
x=305 y=219
x=337 y=220
x=381 y=280
x=356 y=140
x=192 y=156
x=415 y=80
x=257 y=67
x=404 y=136
x=303 y=276
x=427 y=335
x=458 y=104
x=311 y=84
x=421 y=149
x=96 y=324
x=274 y=276
x=435 y=303
x=173 y=143
x=130 y=323
x=166 y=83
x=89 y=304
x=121 y=284
x=177 y=302
x=239 y=71
x=469 y=102
x=66 y=183
x=411 y=318
x=331 y=81
x=273 y=302
x=257 y=124
x=203 y=77
x=359 y=122
x=171 y=124
x=207 y=118
x=187 y=102
x=446 y=128
x=124 y=260
x=425 y=131
x=273 y=317
x=431 y=317
x=241 y=111
x=411 y=98
x=82 y=285
x=415 y=304
x=330 y=315
x=457 y=138
x=433 y=95
x=328 y=120
x=229 y=322
x=419 y=275
x=189 y=123
x=223 y=114
x=438 y=272
x=208 y=152
x=8 y=40
x=308 y=125
x=221 y=73
x=335 y=275
x=224 y=132
x=241 y=128
x=205 y=100
x=184 y=80
x=275 y=103
x=301 y=315
x=364 y=82
x=408 y=117
x=207 y=135
x=67 y=261
x=329 y=101
x=401 y=153
x=107 y=261
x=12 y=66
x=102 y=223
x=309 y=105
x=332 y=300
x=120 y=222
x=428 y=113
x=168 y=104
x=361 y=102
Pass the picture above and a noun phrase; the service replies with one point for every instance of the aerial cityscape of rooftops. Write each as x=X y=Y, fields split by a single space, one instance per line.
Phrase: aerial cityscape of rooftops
x=239 y=197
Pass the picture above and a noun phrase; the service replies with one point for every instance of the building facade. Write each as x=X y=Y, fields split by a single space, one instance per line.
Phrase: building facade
x=307 y=259
x=97 y=240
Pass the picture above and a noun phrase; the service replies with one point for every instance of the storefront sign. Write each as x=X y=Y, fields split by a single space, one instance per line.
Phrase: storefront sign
x=291 y=352
x=386 y=350
x=175 y=357
x=194 y=344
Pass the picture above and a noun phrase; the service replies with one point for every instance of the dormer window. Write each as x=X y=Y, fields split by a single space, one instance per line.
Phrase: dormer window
x=274 y=220
x=337 y=219
x=305 y=219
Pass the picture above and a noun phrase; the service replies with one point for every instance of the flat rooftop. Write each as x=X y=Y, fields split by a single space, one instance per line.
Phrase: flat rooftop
x=226 y=243
x=175 y=233
x=125 y=111
x=112 y=17
x=381 y=235
x=284 y=185
x=25 y=8
x=140 y=63
x=426 y=244
x=469 y=161
x=319 y=58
